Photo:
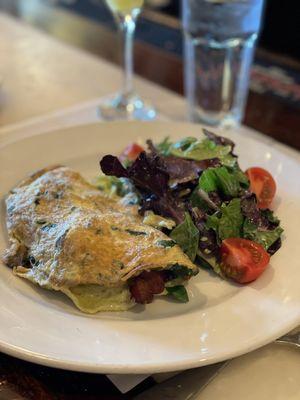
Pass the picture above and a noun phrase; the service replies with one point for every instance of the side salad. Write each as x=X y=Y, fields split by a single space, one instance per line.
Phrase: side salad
x=196 y=192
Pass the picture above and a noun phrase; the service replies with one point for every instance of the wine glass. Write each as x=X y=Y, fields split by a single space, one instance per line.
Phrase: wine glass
x=126 y=104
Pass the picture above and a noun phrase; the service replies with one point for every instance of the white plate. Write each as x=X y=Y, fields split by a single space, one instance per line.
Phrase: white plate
x=221 y=320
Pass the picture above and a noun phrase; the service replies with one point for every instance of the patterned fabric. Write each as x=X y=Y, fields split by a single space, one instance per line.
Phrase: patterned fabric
x=272 y=79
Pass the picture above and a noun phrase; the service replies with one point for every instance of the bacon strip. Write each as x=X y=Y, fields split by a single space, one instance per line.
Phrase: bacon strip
x=146 y=285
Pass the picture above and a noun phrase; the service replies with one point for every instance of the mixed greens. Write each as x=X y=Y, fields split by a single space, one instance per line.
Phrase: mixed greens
x=196 y=192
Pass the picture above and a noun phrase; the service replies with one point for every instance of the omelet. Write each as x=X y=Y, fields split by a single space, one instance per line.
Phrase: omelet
x=66 y=235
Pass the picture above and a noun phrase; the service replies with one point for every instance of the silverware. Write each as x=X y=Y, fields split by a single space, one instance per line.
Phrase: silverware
x=185 y=385
x=291 y=339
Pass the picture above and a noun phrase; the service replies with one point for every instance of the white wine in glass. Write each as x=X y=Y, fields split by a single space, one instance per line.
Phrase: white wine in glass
x=127 y=104
x=124 y=6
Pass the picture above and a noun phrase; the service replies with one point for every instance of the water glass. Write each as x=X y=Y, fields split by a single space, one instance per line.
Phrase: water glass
x=219 y=42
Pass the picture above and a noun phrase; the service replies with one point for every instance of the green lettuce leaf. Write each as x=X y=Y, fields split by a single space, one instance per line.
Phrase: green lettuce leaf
x=240 y=176
x=231 y=220
x=186 y=235
x=208 y=180
x=109 y=184
x=201 y=262
x=179 y=293
x=198 y=150
x=220 y=179
x=213 y=221
x=228 y=160
x=264 y=237
x=164 y=146
x=197 y=201
x=121 y=187
x=228 y=222
x=180 y=271
x=226 y=182
x=202 y=150
x=206 y=262
x=270 y=215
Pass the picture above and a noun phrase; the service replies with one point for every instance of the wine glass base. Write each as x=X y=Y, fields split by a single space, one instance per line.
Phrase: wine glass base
x=126 y=108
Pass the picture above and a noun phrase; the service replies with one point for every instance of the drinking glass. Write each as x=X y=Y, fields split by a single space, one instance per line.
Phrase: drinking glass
x=126 y=104
x=219 y=42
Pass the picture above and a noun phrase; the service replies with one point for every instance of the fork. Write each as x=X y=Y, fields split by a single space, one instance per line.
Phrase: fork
x=292 y=339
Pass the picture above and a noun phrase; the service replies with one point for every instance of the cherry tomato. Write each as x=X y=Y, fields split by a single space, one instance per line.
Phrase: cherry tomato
x=263 y=185
x=243 y=260
x=131 y=152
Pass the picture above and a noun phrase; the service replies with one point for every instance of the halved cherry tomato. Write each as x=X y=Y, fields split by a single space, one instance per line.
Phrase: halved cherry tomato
x=263 y=185
x=243 y=260
x=131 y=152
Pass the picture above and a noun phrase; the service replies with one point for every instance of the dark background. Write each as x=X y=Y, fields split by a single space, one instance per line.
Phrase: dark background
x=281 y=25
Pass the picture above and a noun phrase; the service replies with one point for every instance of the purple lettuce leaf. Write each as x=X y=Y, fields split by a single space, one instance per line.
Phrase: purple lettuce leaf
x=166 y=206
x=151 y=181
x=111 y=165
x=254 y=214
x=208 y=244
x=181 y=170
x=275 y=246
x=219 y=140
x=144 y=172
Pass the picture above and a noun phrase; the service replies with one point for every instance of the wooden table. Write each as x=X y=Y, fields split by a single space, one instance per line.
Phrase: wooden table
x=41 y=75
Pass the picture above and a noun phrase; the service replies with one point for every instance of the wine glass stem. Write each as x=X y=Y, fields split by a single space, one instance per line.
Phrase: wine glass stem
x=127 y=25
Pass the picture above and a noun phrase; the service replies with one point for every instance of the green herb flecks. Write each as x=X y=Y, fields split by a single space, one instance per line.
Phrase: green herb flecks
x=166 y=243
x=48 y=227
x=41 y=221
x=118 y=264
x=135 y=233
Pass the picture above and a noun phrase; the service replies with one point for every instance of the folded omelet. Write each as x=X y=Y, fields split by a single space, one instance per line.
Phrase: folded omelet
x=67 y=236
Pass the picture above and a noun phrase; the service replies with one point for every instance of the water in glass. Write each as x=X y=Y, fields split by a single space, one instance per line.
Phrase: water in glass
x=220 y=38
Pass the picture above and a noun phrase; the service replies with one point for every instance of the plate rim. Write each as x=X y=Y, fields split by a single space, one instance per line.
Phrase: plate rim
x=187 y=363
x=96 y=368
